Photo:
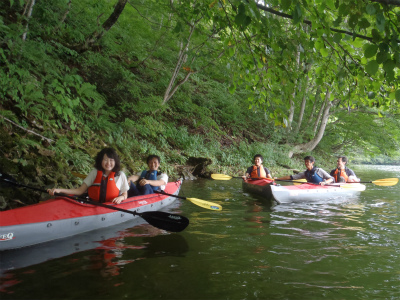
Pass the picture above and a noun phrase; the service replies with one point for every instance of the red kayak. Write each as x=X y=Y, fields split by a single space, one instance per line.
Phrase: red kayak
x=261 y=187
x=62 y=217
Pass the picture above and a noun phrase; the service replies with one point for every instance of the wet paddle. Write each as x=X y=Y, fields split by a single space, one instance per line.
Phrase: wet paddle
x=381 y=182
x=159 y=219
x=222 y=177
x=227 y=177
x=199 y=202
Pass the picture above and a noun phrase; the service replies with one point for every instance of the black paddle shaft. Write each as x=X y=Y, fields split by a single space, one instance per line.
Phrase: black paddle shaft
x=159 y=219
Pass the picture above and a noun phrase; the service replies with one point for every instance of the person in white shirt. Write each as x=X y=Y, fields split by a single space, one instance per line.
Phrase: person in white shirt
x=105 y=182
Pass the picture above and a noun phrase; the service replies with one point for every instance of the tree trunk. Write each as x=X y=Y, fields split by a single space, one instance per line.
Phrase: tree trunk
x=98 y=34
x=28 y=16
x=170 y=91
x=291 y=101
x=303 y=105
x=306 y=147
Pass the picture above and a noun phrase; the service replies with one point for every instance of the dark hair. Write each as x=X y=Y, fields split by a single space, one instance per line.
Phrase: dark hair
x=111 y=153
x=258 y=155
x=344 y=159
x=310 y=158
x=150 y=157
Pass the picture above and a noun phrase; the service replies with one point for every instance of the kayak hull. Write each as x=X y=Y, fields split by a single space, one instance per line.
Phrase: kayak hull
x=310 y=192
x=261 y=187
x=63 y=217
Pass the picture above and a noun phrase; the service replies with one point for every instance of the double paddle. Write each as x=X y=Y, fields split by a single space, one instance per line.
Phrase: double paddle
x=380 y=182
x=159 y=219
x=198 y=202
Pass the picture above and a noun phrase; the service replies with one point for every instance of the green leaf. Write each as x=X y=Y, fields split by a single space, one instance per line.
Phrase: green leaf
x=380 y=22
x=324 y=52
x=232 y=88
x=381 y=57
x=376 y=37
x=178 y=28
x=372 y=67
x=389 y=65
x=319 y=44
x=371 y=95
x=370 y=50
x=364 y=24
x=297 y=13
x=337 y=37
x=397 y=95
x=353 y=21
x=241 y=15
x=285 y=4
x=370 y=9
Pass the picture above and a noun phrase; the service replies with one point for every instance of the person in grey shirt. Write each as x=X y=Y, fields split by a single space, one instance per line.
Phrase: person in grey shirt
x=312 y=174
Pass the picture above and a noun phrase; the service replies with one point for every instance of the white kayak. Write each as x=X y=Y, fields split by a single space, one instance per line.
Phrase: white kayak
x=314 y=192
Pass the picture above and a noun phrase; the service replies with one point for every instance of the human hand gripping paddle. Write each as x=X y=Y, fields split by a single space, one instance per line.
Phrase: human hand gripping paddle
x=198 y=202
x=159 y=219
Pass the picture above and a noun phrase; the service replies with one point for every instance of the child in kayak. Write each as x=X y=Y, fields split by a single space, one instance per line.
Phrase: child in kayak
x=312 y=174
x=150 y=180
x=257 y=170
x=105 y=182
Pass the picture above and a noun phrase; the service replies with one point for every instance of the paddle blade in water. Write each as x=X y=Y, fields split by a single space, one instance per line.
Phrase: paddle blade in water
x=205 y=204
x=386 y=181
x=166 y=221
x=221 y=177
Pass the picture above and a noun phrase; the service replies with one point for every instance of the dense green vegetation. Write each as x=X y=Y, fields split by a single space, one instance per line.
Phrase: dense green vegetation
x=189 y=80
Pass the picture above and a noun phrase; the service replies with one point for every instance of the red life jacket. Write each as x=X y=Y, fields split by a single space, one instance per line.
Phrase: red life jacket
x=258 y=172
x=103 y=188
x=342 y=173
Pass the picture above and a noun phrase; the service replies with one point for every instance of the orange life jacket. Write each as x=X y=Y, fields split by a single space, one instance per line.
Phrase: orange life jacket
x=103 y=188
x=258 y=172
x=342 y=173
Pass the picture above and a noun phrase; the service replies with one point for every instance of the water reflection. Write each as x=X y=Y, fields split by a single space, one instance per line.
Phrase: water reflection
x=253 y=249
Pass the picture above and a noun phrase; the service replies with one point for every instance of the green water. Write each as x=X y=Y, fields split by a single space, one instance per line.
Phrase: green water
x=253 y=249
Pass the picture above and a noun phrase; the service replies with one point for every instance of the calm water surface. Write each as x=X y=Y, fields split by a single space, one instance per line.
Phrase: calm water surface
x=253 y=249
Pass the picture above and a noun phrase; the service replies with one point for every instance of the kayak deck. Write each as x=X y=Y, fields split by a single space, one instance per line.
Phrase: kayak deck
x=313 y=192
x=261 y=187
x=62 y=217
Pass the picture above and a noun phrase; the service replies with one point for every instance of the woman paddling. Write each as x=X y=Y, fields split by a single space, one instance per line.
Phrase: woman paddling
x=312 y=174
x=105 y=182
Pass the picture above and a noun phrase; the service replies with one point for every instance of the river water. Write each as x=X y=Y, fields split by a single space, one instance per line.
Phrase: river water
x=253 y=249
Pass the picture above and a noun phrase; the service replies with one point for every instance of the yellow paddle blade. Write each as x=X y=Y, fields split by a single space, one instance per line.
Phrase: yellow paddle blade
x=386 y=181
x=353 y=186
x=79 y=175
x=299 y=181
x=221 y=177
x=205 y=204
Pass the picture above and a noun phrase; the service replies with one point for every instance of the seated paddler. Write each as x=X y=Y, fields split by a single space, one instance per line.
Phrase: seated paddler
x=106 y=182
x=313 y=174
x=148 y=181
x=342 y=173
x=257 y=170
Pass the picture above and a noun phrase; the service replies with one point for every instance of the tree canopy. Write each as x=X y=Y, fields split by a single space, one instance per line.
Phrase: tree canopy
x=218 y=79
